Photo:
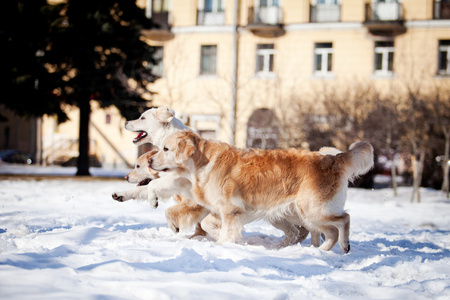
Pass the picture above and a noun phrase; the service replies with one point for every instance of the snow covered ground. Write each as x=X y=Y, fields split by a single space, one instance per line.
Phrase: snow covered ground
x=65 y=238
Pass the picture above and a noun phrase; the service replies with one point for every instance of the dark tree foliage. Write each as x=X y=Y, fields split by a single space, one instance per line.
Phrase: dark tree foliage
x=73 y=53
x=26 y=84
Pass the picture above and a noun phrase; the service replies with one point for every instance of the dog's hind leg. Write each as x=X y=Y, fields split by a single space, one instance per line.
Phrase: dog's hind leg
x=344 y=233
x=337 y=229
x=315 y=238
x=294 y=234
x=331 y=237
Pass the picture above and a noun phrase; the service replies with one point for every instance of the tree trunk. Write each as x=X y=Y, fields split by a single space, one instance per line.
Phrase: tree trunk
x=417 y=175
x=394 y=175
x=83 y=139
x=445 y=182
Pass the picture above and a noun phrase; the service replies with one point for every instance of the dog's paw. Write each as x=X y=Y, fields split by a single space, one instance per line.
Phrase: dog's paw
x=173 y=227
x=152 y=199
x=154 y=203
x=117 y=197
x=346 y=249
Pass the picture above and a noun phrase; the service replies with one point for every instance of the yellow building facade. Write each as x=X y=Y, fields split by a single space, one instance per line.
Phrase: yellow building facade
x=226 y=63
x=286 y=48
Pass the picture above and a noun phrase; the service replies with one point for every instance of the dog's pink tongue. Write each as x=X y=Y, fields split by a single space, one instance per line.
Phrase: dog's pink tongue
x=140 y=134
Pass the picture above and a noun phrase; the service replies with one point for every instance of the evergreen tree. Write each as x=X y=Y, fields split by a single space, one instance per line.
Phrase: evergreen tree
x=76 y=52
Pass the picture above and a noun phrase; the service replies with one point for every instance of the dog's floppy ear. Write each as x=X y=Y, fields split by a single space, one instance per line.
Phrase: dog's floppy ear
x=164 y=114
x=185 y=149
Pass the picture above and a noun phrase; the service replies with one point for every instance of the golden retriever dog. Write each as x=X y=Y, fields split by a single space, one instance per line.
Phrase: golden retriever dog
x=142 y=175
x=182 y=215
x=239 y=186
x=154 y=126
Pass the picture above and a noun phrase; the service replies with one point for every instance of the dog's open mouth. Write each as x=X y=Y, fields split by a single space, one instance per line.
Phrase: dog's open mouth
x=144 y=182
x=140 y=136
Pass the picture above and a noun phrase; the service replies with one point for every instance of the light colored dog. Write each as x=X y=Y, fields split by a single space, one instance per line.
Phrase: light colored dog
x=151 y=181
x=239 y=186
x=154 y=126
x=142 y=175
x=182 y=215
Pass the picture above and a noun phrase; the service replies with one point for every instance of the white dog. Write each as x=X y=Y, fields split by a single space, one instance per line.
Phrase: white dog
x=154 y=126
x=238 y=186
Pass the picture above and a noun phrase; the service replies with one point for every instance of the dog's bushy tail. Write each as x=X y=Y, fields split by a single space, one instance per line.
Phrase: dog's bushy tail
x=358 y=160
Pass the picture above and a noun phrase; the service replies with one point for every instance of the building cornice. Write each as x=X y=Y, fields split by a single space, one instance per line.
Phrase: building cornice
x=203 y=29
x=324 y=26
x=428 y=24
x=309 y=26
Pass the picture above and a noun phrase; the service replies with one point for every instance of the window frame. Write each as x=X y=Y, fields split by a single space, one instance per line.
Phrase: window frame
x=441 y=50
x=326 y=59
x=385 y=62
x=266 y=66
x=207 y=68
x=158 y=53
x=268 y=3
x=216 y=6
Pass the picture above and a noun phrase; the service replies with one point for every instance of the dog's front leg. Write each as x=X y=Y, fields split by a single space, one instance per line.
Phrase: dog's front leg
x=151 y=197
x=212 y=224
x=138 y=193
x=164 y=187
x=231 y=230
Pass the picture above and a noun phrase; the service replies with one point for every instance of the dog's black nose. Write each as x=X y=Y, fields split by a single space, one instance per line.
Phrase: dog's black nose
x=126 y=177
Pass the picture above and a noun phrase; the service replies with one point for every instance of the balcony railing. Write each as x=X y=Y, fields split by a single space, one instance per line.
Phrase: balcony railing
x=161 y=20
x=210 y=18
x=162 y=29
x=385 y=18
x=325 y=13
x=441 y=9
x=271 y=15
x=384 y=11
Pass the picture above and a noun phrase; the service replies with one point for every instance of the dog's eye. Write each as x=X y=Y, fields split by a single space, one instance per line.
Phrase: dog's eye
x=142 y=118
x=138 y=166
x=165 y=149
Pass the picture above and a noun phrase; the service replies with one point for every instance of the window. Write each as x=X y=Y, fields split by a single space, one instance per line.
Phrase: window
x=268 y=3
x=323 y=58
x=207 y=126
x=444 y=57
x=160 y=5
x=384 y=58
x=211 y=12
x=327 y=2
x=159 y=12
x=212 y=5
x=264 y=58
x=325 y=11
x=267 y=12
x=208 y=58
x=158 y=55
x=386 y=10
x=441 y=9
